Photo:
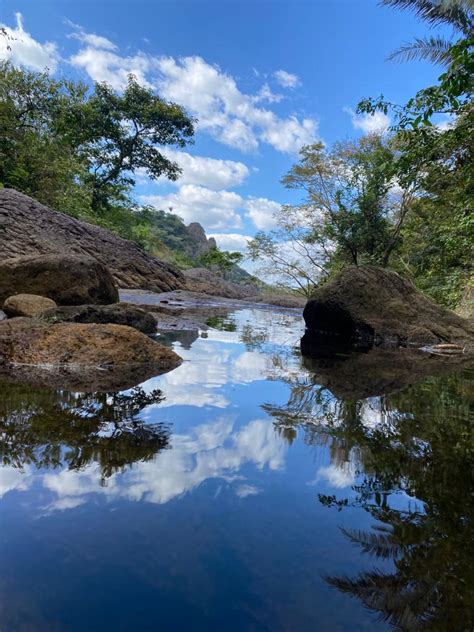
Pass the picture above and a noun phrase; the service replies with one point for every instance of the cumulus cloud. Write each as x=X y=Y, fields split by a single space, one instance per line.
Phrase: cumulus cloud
x=369 y=123
x=286 y=79
x=265 y=94
x=262 y=212
x=209 y=172
x=228 y=114
x=211 y=95
x=106 y=65
x=23 y=50
x=91 y=39
x=215 y=210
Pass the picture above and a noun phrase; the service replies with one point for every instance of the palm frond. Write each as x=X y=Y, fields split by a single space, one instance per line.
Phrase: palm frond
x=397 y=603
x=456 y=13
x=377 y=544
x=434 y=49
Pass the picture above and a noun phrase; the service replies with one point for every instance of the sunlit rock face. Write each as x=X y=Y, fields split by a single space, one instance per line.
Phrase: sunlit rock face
x=30 y=228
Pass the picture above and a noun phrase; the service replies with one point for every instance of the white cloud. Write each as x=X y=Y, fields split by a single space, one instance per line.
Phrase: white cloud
x=286 y=79
x=215 y=450
x=215 y=210
x=262 y=212
x=265 y=94
x=96 y=41
x=108 y=66
x=209 y=94
x=339 y=476
x=231 y=241
x=226 y=113
x=26 y=51
x=209 y=172
x=369 y=123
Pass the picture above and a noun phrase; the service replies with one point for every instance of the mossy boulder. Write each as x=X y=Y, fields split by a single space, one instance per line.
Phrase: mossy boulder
x=367 y=306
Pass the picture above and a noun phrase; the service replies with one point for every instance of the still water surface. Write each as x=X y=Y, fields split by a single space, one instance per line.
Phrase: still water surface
x=237 y=493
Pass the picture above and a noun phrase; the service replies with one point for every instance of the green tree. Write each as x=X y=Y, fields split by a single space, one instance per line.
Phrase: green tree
x=439 y=235
x=36 y=157
x=221 y=260
x=352 y=212
x=120 y=133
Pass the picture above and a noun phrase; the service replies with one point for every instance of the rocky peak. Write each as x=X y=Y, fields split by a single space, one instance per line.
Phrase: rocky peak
x=201 y=243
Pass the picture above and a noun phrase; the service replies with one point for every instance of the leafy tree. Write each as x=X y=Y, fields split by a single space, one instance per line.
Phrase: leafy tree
x=439 y=235
x=290 y=255
x=35 y=156
x=46 y=428
x=124 y=132
x=351 y=212
x=221 y=260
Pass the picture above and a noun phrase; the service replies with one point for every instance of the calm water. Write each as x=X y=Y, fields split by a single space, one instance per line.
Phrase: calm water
x=238 y=493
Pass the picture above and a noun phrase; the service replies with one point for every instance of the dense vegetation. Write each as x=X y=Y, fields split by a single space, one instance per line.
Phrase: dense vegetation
x=78 y=149
x=401 y=198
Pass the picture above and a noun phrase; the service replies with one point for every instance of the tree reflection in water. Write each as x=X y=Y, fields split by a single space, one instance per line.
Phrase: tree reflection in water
x=412 y=457
x=49 y=429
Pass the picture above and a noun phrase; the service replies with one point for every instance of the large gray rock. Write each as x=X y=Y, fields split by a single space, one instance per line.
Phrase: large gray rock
x=30 y=228
x=67 y=280
x=119 y=314
x=372 y=305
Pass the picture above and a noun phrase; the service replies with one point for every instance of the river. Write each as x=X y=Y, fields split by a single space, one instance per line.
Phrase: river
x=239 y=492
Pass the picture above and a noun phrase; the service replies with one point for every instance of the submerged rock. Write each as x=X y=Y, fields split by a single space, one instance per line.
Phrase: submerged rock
x=119 y=314
x=66 y=279
x=85 y=356
x=366 y=306
x=27 y=305
x=30 y=228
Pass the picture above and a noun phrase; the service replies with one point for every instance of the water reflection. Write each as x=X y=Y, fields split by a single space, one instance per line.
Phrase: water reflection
x=408 y=460
x=207 y=500
x=50 y=429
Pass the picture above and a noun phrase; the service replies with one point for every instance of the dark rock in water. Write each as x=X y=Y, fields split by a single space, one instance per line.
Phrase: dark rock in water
x=27 y=305
x=30 y=228
x=82 y=356
x=66 y=279
x=119 y=314
x=366 y=306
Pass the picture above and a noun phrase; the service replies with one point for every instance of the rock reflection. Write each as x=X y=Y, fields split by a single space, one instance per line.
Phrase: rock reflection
x=408 y=459
x=50 y=429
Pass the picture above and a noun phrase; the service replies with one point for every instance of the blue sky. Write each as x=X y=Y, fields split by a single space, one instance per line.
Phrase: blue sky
x=263 y=77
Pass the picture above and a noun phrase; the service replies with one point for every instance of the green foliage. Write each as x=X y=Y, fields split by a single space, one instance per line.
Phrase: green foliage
x=438 y=237
x=77 y=150
x=220 y=260
x=457 y=14
x=350 y=212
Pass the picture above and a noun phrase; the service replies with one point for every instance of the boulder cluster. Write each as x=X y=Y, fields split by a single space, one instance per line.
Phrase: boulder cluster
x=64 y=325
